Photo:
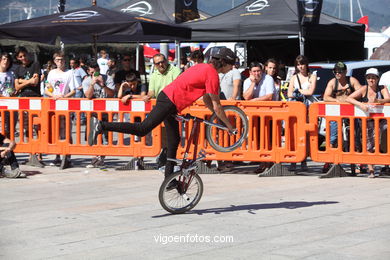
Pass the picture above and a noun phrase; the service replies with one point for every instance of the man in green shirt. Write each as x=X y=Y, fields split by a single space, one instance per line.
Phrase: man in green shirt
x=162 y=76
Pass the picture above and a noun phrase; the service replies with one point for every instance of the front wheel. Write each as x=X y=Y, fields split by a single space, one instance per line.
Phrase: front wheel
x=179 y=193
x=220 y=139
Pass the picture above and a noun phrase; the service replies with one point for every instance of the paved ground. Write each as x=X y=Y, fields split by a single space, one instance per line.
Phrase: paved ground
x=94 y=214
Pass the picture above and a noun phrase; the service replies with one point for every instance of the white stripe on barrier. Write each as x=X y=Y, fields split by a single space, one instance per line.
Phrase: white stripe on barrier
x=62 y=105
x=112 y=105
x=332 y=110
x=86 y=105
x=35 y=104
x=137 y=106
x=351 y=110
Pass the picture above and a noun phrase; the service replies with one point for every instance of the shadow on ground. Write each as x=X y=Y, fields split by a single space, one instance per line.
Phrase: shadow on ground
x=252 y=207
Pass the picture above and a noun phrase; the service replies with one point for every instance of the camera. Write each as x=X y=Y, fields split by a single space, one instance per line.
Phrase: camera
x=298 y=96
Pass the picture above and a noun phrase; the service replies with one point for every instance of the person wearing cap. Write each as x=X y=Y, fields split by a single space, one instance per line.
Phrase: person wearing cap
x=198 y=81
x=370 y=93
x=337 y=90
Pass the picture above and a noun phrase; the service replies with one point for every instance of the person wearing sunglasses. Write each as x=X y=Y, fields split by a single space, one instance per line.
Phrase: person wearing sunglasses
x=126 y=68
x=371 y=93
x=337 y=90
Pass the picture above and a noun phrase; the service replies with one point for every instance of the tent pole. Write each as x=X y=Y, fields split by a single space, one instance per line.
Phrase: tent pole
x=178 y=54
x=301 y=43
x=137 y=57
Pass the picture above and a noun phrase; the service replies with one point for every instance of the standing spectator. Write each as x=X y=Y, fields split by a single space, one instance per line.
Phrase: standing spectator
x=120 y=75
x=79 y=75
x=259 y=86
x=302 y=84
x=96 y=85
x=194 y=58
x=61 y=84
x=112 y=68
x=27 y=83
x=337 y=90
x=83 y=63
x=230 y=84
x=272 y=69
x=7 y=156
x=103 y=62
x=371 y=93
x=162 y=76
x=27 y=75
x=45 y=71
x=7 y=87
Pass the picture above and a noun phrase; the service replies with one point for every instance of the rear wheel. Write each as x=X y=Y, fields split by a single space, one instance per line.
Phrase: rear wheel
x=220 y=139
x=179 y=193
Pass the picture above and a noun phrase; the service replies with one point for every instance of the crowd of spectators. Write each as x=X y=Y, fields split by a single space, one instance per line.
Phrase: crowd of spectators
x=108 y=77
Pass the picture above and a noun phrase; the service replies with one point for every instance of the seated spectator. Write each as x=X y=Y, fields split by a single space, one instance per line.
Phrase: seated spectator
x=371 y=93
x=259 y=86
x=301 y=88
x=7 y=157
x=7 y=87
x=272 y=69
x=131 y=89
x=337 y=90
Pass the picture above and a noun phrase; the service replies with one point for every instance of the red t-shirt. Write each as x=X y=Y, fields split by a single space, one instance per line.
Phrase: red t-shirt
x=193 y=84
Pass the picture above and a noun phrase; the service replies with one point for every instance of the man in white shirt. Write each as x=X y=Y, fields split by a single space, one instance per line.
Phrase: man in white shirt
x=103 y=62
x=259 y=86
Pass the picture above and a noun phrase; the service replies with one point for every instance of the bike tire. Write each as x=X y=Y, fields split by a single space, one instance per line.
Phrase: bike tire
x=220 y=139
x=177 y=202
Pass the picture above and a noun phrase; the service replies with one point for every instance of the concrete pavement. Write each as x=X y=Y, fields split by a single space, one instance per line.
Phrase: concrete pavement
x=81 y=213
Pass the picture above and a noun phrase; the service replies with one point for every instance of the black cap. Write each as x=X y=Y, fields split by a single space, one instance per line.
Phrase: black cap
x=226 y=54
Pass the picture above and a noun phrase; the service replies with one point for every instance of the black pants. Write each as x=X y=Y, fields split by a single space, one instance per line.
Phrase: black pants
x=9 y=159
x=165 y=111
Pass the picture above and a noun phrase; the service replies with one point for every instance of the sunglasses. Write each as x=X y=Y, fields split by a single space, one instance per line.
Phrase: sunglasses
x=159 y=63
x=338 y=72
x=126 y=60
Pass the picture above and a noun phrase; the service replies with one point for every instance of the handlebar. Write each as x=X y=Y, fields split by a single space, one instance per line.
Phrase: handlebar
x=187 y=117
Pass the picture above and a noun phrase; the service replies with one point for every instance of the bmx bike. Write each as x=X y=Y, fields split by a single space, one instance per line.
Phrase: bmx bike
x=182 y=190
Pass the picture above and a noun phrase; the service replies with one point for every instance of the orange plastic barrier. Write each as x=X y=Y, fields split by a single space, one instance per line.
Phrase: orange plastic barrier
x=49 y=127
x=355 y=130
x=267 y=138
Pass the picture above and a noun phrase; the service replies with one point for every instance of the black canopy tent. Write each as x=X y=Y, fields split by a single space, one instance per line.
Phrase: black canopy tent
x=157 y=9
x=93 y=24
x=271 y=29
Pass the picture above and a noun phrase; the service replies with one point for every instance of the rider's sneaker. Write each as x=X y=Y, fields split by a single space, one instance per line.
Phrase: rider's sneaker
x=172 y=185
x=95 y=128
x=15 y=173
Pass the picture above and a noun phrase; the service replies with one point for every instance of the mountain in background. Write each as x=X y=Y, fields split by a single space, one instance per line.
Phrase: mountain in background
x=379 y=16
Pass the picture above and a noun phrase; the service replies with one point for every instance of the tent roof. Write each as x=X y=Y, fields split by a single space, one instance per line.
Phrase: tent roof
x=156 y=9
x=256 y=20
x=92 y=23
